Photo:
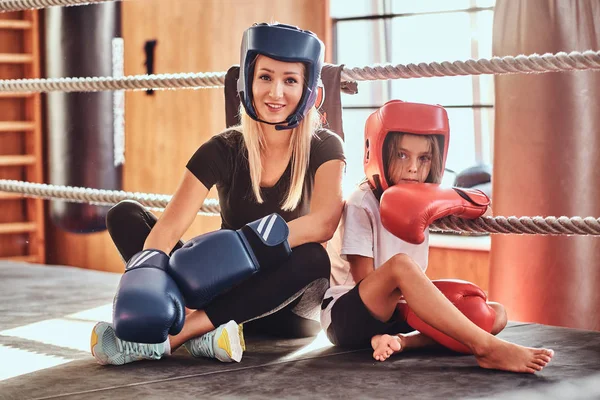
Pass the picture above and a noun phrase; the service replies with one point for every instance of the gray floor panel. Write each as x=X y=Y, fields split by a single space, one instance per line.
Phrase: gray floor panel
x=44 y=354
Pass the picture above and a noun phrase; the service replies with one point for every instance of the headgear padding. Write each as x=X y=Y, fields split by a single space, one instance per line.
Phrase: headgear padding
x=402 y=117
x=283 y=43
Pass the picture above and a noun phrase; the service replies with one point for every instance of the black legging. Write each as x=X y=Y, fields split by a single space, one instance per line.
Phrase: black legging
x=282 y=301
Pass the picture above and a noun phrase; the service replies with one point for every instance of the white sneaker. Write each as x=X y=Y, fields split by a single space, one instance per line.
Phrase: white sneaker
x=226 y=343
x=107 y=348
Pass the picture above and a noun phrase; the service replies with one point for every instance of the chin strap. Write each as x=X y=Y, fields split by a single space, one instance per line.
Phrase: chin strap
x=284 y=127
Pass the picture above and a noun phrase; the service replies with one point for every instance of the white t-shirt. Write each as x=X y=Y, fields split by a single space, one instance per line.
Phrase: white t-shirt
x=360 y=232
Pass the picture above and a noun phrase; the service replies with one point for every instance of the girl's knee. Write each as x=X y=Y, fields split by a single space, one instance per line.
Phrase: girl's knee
x=501 y=317
x=401 y=263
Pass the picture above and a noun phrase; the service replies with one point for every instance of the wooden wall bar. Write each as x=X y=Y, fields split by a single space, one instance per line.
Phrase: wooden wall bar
x=11 y=141
x=163 y=130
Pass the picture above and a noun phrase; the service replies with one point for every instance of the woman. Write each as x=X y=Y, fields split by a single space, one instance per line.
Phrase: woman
x=278 y=160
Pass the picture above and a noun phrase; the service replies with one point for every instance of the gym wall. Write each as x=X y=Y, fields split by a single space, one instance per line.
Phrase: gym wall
x=164 y=129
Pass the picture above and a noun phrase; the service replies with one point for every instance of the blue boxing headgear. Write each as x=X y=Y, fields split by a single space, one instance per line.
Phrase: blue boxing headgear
x=283 y=43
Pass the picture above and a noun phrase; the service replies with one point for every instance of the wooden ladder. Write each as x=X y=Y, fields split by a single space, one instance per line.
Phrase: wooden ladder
x=22 y=236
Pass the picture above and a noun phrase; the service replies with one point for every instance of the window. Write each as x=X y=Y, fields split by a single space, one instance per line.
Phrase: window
x=404 y=31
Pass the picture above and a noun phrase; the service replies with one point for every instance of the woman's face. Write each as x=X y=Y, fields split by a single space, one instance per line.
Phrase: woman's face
x=411 y=161
x=276 y=88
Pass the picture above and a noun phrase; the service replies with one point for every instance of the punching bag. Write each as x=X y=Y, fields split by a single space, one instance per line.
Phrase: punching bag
x=82 y=150
x=547 y=162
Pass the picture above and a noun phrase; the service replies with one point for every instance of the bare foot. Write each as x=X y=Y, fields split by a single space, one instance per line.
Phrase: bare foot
x=512 y=357
x=386 y=345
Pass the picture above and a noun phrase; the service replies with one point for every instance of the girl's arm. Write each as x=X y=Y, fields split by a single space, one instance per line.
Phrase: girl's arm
x=319 y=225
x=360 y=266
x=179 y=214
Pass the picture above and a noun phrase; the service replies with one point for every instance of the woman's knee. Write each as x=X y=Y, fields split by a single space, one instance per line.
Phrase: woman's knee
x=129 y=224
x=313 y=257
x=124 y=211
x=501 y=317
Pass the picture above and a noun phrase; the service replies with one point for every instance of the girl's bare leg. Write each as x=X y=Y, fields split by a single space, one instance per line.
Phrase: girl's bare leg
x=501 y=317
x=380 y=292
x=386 y=345
x=196 y=324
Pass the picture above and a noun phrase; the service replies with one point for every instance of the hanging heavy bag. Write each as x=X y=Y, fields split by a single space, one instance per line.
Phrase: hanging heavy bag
x=82 y=150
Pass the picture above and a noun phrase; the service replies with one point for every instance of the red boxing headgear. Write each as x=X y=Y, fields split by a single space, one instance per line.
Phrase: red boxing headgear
x=402 y=117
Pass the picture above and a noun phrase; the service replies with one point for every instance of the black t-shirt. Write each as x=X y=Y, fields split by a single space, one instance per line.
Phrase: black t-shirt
x=223 y=161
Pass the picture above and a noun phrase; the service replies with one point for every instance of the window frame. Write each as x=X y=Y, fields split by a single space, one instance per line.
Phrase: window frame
x=388 y=17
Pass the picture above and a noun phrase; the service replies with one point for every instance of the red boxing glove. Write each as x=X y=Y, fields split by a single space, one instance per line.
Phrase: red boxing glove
x=468 y=298
x=408 y=209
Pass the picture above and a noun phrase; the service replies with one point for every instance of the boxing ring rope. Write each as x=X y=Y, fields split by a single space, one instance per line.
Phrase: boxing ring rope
x=497 y=65
x=521 y=64
x=510 y=225
x=199 y=80
x=100 y=197
x=20 y=5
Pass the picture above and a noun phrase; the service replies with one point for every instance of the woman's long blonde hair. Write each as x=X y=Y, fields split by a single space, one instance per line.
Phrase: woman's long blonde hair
x=299 y=148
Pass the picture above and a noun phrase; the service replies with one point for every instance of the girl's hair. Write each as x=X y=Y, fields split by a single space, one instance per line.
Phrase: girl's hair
x=299 y=148
x=393 y=140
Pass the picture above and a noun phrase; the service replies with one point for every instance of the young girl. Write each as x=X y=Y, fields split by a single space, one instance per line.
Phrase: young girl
x=278 y=160
x=405 y=143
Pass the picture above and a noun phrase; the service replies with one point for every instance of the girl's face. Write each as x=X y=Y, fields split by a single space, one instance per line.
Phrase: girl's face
x=411 y=161
x=276 y=88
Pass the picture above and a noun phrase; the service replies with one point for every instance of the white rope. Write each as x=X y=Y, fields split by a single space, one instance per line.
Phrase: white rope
x=559 y=62
x=98 y=197
x=521 y=225
x=496 y=65
x=504 y=225
x=132 y=82
x=19 y=5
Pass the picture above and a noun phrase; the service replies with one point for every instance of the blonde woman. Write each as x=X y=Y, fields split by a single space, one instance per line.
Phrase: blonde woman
x=278 y=160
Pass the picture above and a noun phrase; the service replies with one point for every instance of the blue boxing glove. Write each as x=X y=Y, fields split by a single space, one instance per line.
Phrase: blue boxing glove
x=148 y=305
x=212 y=263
